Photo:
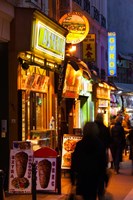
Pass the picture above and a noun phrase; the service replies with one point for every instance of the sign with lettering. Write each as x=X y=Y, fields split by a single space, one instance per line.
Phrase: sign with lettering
x=20 y=173
x=68 y=146
x=47 y=41
x=77 y=25
x=112 y=54
x=89 y=48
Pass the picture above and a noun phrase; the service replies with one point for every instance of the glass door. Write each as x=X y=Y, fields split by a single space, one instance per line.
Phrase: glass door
x=32 y=113
x=38 y=111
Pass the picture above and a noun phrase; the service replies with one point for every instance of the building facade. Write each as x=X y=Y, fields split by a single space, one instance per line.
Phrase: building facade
x=27 y=111
x=120 y=21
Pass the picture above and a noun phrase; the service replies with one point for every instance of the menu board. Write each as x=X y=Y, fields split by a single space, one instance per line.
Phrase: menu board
x=20 y=171
x=46 y=173
x=68 y=146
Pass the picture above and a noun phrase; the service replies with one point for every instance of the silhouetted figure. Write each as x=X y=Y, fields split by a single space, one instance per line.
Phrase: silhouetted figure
x=127 y=127
x=117 y=143
x=88 y=162
x=104 y=135
x=130 y=138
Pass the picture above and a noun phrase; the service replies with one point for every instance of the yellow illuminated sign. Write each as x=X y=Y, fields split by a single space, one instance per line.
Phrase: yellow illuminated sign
x=48 y=41
x=77 y=25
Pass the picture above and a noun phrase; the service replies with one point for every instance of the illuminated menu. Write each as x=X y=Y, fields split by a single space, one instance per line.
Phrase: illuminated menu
x=69 y=144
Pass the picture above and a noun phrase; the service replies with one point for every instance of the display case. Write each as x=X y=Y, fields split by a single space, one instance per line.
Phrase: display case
x=43 y=138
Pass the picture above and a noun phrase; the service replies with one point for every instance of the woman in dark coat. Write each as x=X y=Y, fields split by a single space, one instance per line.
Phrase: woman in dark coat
x=117 y=143
x=104 y=136
x=130 y=138
x=88 y=162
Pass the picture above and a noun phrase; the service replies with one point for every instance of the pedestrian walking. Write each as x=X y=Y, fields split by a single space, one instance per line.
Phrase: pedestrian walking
x=127 y=127
x=130 y=138
x=88 y=162
x=117 y=143
x=104 y=136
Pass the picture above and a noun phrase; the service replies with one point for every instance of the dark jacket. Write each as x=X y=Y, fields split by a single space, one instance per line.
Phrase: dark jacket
x=104 y=134
x=118 y=135
x=88 y=162
x=117 y=142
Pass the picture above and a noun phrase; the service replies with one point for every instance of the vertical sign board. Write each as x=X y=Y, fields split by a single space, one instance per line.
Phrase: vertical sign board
x=68 y=146
x=112 y=54
x=20 y=173
x=46 y=162
x=89 y=48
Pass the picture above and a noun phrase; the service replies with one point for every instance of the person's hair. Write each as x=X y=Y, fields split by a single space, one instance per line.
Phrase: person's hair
x=90 y=129
x=99 y=117
x=118 y=119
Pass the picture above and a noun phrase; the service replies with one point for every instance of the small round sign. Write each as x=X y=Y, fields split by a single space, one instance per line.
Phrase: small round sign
x=77 y=25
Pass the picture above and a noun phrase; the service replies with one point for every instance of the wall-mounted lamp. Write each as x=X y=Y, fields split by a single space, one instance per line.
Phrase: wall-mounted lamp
x=72 y=49
x=23 y=63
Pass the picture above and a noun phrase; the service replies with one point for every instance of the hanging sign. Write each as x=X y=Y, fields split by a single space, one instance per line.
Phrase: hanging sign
x=77 y=25
x=112 y=54
x=89 y=48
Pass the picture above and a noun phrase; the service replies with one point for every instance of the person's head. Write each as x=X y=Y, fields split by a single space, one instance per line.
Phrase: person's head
x=118 y=119
x=126 y=117
x=99 y=117
x=90 y=129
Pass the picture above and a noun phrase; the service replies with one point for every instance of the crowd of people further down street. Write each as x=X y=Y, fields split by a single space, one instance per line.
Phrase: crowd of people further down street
x=99 y=146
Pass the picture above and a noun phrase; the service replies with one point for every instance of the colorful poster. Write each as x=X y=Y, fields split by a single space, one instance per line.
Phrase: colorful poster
x=72 y=82
x=46 y=173
x=19 y=145
x=68 y=146
x=20 y=172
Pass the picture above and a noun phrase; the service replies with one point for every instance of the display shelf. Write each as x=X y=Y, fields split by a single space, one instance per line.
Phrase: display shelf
x=41 y=138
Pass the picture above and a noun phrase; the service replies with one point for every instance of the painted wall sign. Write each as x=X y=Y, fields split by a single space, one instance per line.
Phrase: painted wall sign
x=77 y=25
x=48 y=41
x=112 y=54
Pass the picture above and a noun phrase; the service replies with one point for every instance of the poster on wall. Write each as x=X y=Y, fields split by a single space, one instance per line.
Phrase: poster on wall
x=68 y=146
x=46 y=174
x=20 y=171
x=72 y=82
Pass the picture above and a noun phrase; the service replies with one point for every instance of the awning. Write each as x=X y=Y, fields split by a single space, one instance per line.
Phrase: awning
x=77 y=64
x=124 y=57
x=125 y=88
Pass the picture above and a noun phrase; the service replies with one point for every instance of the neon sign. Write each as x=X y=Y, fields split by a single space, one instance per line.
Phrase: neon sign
x=112 y=54
x=48 y=41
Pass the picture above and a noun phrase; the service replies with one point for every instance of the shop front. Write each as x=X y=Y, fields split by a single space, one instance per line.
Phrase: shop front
x=115 y=104
x=76 y=98
x=40 y=52
x=101 y=98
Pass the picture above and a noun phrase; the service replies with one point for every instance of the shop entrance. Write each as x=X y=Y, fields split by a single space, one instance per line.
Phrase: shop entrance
x=32 y=112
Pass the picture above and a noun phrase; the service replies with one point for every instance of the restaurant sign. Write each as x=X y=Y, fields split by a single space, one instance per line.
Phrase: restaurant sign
x=77 y=25
x=47 y=41
x=112 y=54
